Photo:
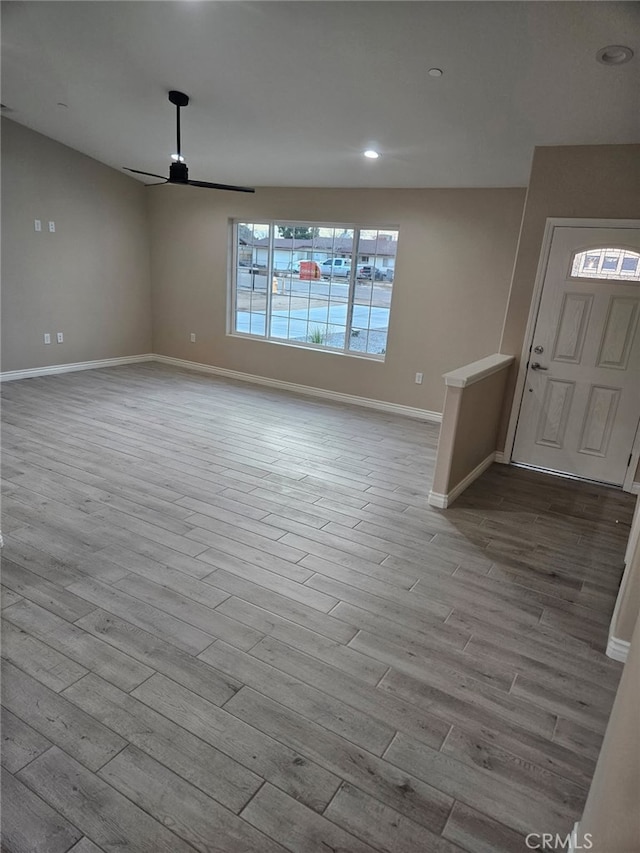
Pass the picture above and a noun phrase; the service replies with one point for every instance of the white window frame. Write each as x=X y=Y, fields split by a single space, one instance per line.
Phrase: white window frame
x=273 y=225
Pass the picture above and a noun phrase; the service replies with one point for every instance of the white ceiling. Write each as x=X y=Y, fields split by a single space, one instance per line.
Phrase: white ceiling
x=290 y=93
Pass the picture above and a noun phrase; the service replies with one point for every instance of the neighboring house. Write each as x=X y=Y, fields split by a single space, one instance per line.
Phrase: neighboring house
x=286 y=252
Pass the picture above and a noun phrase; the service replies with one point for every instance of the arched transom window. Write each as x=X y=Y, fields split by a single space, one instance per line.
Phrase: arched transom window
x=621 y=264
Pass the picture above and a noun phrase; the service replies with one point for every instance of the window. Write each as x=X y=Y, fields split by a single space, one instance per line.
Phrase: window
x=622 y=264
x=305 y=284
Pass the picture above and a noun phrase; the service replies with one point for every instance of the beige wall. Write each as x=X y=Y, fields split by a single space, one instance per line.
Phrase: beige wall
x=89 y=280
x=469 y=429
x=627 y=607
x=611 y=816
x=586 y=181
x=455 y=258
x=480 y=408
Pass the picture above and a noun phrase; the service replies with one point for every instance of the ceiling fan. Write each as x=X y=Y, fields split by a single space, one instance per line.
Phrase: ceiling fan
x=178 y=172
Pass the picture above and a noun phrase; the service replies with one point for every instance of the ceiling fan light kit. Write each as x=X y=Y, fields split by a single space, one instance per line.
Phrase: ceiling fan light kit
x=178 y=171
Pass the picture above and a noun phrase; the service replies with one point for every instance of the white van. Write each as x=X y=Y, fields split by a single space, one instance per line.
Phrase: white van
x=336 y=267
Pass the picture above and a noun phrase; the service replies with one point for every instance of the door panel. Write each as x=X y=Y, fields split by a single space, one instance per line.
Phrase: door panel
x=574 y=318
x=581 y=402
x=619 y=332
x=554 y=413
x=598 y=421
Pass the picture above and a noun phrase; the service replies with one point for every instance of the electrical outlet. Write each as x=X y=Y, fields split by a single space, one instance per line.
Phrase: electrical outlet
x=418 y=378
x=52 y=226
x=60 y=338
x=193 y=337
x=47 y=338
x=37 y=225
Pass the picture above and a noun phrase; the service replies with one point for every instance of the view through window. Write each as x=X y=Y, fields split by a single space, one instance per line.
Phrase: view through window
x=610 y=263
x=326 y=286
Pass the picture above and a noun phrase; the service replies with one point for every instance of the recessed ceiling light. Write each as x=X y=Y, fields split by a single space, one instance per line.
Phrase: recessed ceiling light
x=435 y=72
x=614 y=54
x=178 y=158
x=371 y=154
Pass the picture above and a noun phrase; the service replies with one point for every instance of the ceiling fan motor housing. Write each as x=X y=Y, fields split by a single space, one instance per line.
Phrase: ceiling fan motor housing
x=178 y=98
x=178 y=173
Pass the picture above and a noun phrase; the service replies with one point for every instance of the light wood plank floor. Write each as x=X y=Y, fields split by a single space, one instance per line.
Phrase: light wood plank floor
x=232 y=623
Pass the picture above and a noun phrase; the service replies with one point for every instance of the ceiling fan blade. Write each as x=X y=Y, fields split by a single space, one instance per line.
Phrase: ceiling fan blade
x=211 y=186
x=148 y=174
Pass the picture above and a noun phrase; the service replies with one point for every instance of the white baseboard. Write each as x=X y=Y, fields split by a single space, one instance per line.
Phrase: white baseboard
x=30 y=373
x=441 y=501
x=500 y=458
x=336 y=396
x=635 y=488
x=618 y=649
x=574 y=837
x=438 y=500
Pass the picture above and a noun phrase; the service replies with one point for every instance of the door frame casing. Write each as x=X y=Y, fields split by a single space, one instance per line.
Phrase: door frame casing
x=551 y=224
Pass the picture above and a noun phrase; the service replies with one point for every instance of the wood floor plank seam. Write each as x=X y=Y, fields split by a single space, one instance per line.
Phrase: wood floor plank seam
x=270 y=771
x=31 y=760
x=360 y=696
x=453 y=805
x=202 y=748
x=51 y=839
x=89 y=761
x=365 y=734
x=173 y=661
x=346 y=763
x=179 y=845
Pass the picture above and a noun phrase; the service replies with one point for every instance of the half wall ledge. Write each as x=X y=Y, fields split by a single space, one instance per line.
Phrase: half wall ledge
x=468 y=437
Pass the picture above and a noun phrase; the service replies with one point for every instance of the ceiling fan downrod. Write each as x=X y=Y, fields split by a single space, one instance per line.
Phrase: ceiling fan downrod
x=178 y=171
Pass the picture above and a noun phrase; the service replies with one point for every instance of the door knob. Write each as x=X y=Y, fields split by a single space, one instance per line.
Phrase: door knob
x=537 y=366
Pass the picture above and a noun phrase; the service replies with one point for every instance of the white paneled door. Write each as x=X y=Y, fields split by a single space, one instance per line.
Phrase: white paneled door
x=581 y=403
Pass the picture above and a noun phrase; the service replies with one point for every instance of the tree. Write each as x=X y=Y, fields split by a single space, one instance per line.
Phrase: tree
x=299 y=232
x=245 y=234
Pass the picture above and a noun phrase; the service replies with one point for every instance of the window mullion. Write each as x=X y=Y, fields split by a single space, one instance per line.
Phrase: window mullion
x=232 y=310
x=269 y=282
x=352 y=285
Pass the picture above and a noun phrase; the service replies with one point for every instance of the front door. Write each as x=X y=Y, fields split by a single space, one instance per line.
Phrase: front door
x=581 y=403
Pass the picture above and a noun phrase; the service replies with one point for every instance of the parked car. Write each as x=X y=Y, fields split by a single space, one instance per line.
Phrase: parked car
x=336 y=267
x=370 y=272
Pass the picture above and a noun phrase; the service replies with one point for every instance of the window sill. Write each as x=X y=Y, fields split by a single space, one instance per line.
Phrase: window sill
x=370 y=357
